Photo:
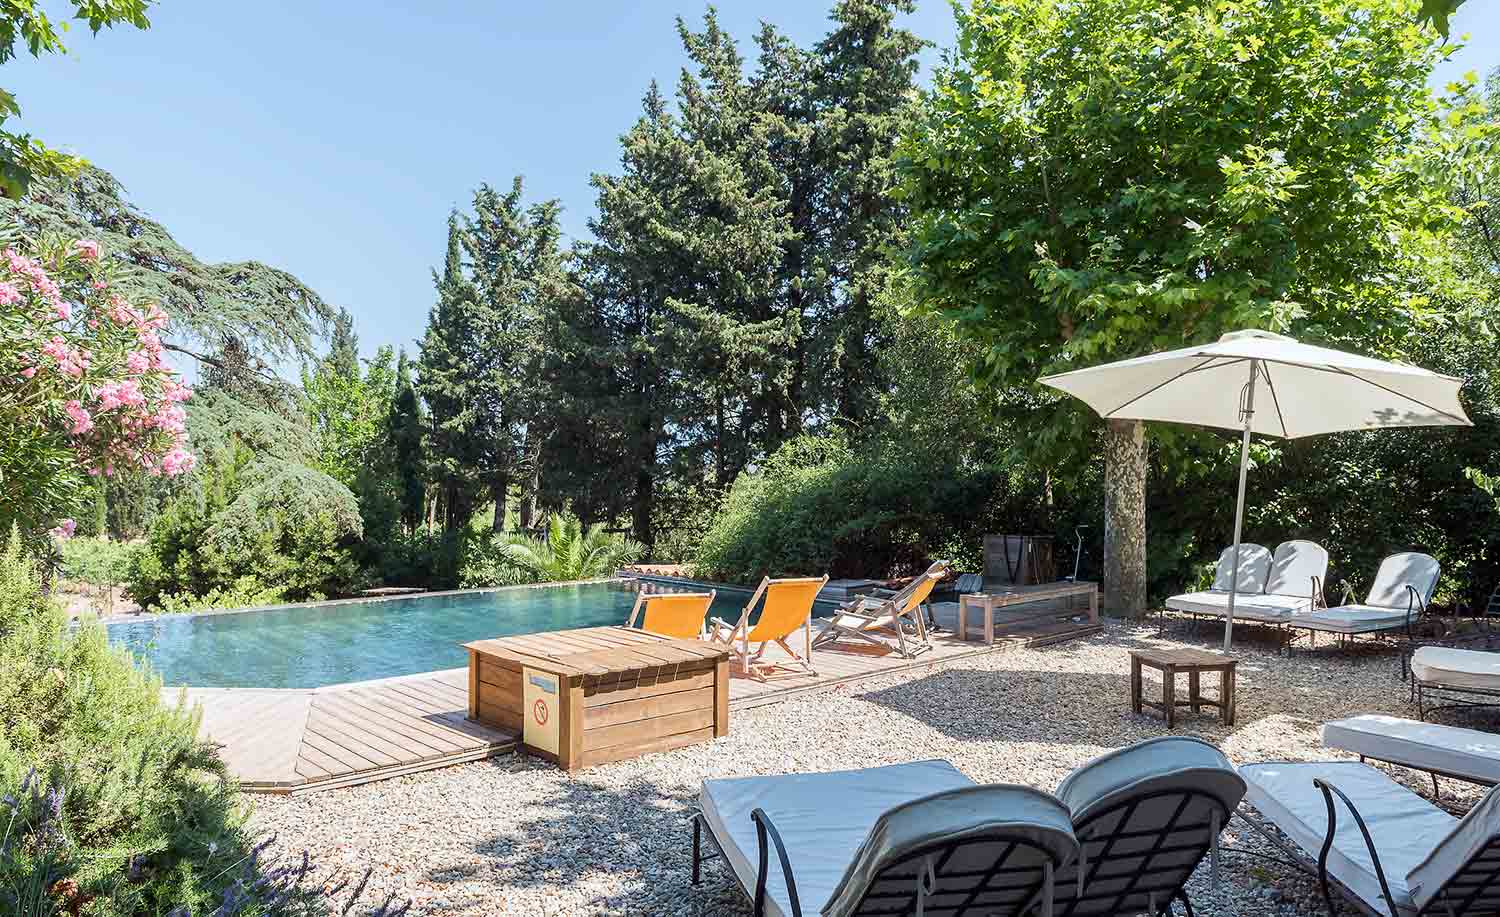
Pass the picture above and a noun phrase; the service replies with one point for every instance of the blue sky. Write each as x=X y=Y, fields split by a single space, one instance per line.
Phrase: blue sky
x=333 y=144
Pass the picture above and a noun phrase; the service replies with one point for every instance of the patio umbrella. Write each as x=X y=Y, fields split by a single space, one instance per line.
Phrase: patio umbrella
x=1301 y=390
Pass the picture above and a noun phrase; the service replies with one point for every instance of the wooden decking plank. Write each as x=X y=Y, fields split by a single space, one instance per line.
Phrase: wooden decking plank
x=395 y=730
x=417 y=727
x=427 y=715
x=358 y=741
x=348 y=759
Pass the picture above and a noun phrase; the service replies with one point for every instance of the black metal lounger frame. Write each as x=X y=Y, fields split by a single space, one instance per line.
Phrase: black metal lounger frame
x=1485 y=864
x=1066 y=906
x=766 y=836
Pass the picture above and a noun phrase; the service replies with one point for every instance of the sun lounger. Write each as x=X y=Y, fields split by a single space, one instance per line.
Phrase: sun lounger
x=896 y=622
x=1274 y=589
x=904 y=839
x=1443 y=751
x=679 y=614
x=1402 y=588
x=1383 y=847
x=788 y=608
x=1455 y=677
x=1145 y=817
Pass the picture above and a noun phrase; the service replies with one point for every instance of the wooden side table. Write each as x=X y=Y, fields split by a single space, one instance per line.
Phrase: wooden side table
x=1194 y=663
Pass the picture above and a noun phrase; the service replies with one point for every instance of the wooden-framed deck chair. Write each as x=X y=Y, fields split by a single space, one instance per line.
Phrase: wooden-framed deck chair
x=673 y=614
x=1145 y=816
x=1382 y=847
x=898 y=621
x=918 y=838
x=787 y=608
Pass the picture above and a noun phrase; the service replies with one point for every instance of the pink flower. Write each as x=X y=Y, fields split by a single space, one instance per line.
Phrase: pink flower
x=87 y=249
x=177 y=461
x=9 y=294
x=28 y=372
x=63 y=310
x=65 y=529
x=137 y=362
x=100 y=285
x=82 y=422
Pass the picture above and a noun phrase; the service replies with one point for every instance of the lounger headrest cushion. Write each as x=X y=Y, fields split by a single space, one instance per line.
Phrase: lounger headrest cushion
x=1389 y=588
x=1149 y=766
x=1294 y=566
x=971 y=813
x=1255 y=567
x=1470 y=836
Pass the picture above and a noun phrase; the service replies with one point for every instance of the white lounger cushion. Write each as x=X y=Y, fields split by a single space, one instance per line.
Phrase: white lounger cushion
x=1456 y=668
x=1396 y=571
x=1255 y=568
x=1465 y=753
x=1405 y=827
x=1273 y=609
x=1354 y=619
x=1294 y=566
x=822 y=818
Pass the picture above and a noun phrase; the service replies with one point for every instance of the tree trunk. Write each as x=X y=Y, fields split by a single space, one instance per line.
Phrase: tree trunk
x=500 y=494
x=1125 y=518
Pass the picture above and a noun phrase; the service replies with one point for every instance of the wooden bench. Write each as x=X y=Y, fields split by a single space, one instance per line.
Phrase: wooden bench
x=1006 y=597
x=598 y=694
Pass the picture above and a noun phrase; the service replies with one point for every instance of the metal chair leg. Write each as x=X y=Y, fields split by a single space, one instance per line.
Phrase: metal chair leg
x=697 y=847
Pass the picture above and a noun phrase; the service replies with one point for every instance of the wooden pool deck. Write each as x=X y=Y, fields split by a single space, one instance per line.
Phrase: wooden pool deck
x=302 y=740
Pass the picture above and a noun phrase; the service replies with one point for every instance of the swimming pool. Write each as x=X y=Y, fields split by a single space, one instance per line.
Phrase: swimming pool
x=308 y=646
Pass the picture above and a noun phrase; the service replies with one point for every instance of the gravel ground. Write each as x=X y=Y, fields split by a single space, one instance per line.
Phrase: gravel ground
x=516 y=836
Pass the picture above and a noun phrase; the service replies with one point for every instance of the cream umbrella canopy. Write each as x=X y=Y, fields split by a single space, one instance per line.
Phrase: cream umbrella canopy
x=1259 y=382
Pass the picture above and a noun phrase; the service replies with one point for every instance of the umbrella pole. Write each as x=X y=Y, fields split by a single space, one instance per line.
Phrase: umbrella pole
x=1247 y=412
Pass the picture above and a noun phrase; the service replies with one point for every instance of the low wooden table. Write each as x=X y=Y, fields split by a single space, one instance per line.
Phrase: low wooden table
x=597 y=694
x=1194 y=663
x=1012 y=596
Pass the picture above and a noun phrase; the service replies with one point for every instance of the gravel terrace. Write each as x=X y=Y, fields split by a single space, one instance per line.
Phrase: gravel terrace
x=516 y=836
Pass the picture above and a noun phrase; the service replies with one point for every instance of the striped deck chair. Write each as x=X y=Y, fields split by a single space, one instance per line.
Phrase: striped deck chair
x=878 y=620
x=680 y=614
x=787 y=609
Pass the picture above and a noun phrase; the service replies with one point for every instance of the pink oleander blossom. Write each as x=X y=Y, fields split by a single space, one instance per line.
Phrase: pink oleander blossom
x=87 y=249
x=82 y=421
x=137 y=362
x=65 y=529
x=177 y=461
x=9 y=294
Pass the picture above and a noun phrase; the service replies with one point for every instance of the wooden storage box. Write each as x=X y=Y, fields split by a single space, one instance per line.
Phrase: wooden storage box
x=594 y=695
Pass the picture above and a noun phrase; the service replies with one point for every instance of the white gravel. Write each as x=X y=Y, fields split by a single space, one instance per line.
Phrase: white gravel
x=516 y=836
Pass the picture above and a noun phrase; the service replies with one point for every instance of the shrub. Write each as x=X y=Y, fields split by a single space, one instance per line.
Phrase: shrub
x=820 y=504
x=486 y=562
x=151 y=818
x=257 y=530
x=86 y=385
x=569 y=551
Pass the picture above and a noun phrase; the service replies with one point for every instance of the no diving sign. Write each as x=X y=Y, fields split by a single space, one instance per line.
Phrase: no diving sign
x=539 y=698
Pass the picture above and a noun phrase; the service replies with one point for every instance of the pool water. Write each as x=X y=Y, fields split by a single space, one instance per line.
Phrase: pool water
x=310 y=646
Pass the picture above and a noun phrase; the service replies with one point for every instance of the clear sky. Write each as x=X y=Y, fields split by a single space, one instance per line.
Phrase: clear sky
x=333 y=144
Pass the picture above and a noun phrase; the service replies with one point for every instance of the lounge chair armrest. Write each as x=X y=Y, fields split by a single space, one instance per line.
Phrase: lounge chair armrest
x=763 y=827
x=1348 y=598
x=1414 y=606
x=1318 y=601
x=1329 y=791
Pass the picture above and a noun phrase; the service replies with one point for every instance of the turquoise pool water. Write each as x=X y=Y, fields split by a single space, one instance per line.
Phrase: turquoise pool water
x=307 y=647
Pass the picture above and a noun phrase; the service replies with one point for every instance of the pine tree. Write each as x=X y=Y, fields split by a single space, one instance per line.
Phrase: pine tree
x=405 y=425
x=445 y=380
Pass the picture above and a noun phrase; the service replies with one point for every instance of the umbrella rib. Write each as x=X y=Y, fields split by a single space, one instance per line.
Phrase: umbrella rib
x=1162 y=384
x=1266 y=371
x=1384 y=388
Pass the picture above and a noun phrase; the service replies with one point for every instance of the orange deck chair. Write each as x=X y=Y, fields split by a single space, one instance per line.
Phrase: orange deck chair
x=878 y=618
x=673 y=614
x=788 y=608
